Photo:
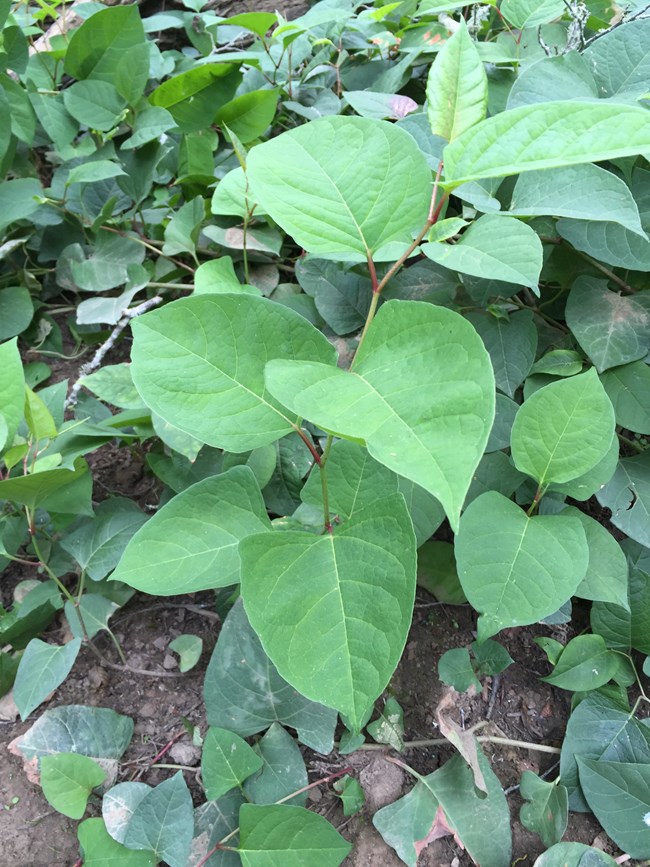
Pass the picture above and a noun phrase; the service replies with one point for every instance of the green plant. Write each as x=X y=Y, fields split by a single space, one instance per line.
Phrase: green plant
x=498 y=279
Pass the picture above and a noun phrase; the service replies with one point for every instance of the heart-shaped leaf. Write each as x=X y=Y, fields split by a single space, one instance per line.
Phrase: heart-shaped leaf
x=563 y=430
x=226 y=762
x=199 y=363
x=421 y=396
x=67 y=780
x=308 y=596
x=309 y=180
x=516 y=570
x=192 y=542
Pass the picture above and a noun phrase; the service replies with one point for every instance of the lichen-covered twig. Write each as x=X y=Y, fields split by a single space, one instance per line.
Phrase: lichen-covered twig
x=107 y=345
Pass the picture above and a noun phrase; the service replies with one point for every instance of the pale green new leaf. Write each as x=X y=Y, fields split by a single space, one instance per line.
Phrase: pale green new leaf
x=67 y=780
x=43 y=667
x=192 y=542
x=101 y=850
x=457 y=87
x=531 y=13
x=199 y=364
x=546 y=135
x=516 y=570
x=12 y=388
x=421 y=396
x=189 y=648
x=581 y=192
x=333 y=611
x=494 y=247
x=343 y=185
x=619 y=795
x=563 y=430
x=226 y=761
x=282 y=835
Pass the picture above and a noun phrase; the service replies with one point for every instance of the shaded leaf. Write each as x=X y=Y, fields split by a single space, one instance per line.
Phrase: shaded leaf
x=42 y=668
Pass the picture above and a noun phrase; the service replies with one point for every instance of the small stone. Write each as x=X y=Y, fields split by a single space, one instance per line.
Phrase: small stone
x=169 y=661
x=314 y=795
x=160 y=643
x=185 y=754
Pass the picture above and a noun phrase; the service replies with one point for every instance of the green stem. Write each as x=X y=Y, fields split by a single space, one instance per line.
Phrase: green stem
x=539 y=493
x=323 y=481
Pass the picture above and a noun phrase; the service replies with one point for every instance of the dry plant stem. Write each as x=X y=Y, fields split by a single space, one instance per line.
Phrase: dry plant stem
x=148 y=245
x=329 y=779
x=482 y=739
x=98 y=357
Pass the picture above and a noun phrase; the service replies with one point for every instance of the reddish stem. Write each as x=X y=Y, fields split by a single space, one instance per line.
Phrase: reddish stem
x=162 y=752
x=312 y=448
x=373 y=273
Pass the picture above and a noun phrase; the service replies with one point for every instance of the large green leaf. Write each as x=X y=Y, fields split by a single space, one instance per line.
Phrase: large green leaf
x=628 y=388
x=608 y=242
x=627 y=495
x=97 y=543
x=619 y=795
x=354 y=481
x=42 y=668
x=287 y=836
x=612 y=329
x=512 y=344
x=600 y=729
x=96 y=104
x=421 y=396
x=244 y=692
x=626 y=626
x=97 y=732
x=105 y=44
x=516 y=570
x=249 y=114
x=101 y=850
x=333 y=611
x=563 y=430
x=16 y=311
x=457 y=87
x=584 y=192
x=35 y=489
x=12 y=388
x=283 y=770
x=67 y=780
x=494 y=247
x=620 y=60
x=162 y=822
x=531 y=13
x=546 y=135
x=606 y=578
x=585 y=664
x=574 y=855
x=192 y=543
x=199 y=364
x=343 y=185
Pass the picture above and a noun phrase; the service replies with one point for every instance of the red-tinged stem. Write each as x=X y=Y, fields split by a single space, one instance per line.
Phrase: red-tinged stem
x=373 y=273
x=220 y=845
x=434 y=213
x=312 y=448
x=162 y=752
